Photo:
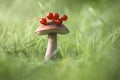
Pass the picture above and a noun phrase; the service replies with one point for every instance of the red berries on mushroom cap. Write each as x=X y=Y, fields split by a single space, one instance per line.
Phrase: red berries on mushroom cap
x=50 y=15
x=64 y=17
x=43 y=21
x=54 y=18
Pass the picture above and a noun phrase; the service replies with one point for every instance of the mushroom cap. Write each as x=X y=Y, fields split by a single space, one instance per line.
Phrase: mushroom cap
x=51 y=27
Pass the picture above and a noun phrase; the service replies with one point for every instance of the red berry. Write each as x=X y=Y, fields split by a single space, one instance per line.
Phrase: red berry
x=43 y=21
x=64 y=17
x=59 y=21
x=50 y=15
x=55 y=16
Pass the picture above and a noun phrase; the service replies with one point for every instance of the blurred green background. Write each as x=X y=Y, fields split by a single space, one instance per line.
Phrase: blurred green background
x=91 y=51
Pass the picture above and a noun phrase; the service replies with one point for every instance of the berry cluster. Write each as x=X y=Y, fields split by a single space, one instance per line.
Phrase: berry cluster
x=54 y=17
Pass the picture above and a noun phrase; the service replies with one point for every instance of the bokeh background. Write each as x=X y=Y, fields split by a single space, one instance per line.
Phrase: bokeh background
x=91 y=51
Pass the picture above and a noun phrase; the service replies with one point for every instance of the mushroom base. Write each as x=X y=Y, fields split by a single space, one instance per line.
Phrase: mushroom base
x=52 y=46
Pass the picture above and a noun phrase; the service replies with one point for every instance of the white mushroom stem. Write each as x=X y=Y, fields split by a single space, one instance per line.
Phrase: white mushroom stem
x=52 y=46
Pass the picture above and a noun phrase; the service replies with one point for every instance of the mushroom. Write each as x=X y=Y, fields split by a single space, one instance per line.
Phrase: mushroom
x=51 y=29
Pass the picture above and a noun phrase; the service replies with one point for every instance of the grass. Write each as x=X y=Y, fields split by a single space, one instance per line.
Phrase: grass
x=89 y=52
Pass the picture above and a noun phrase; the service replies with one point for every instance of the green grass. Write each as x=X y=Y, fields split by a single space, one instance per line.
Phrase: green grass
x=91 y=51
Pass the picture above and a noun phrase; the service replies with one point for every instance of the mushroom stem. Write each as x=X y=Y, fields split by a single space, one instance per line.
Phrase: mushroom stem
x=52 y=46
